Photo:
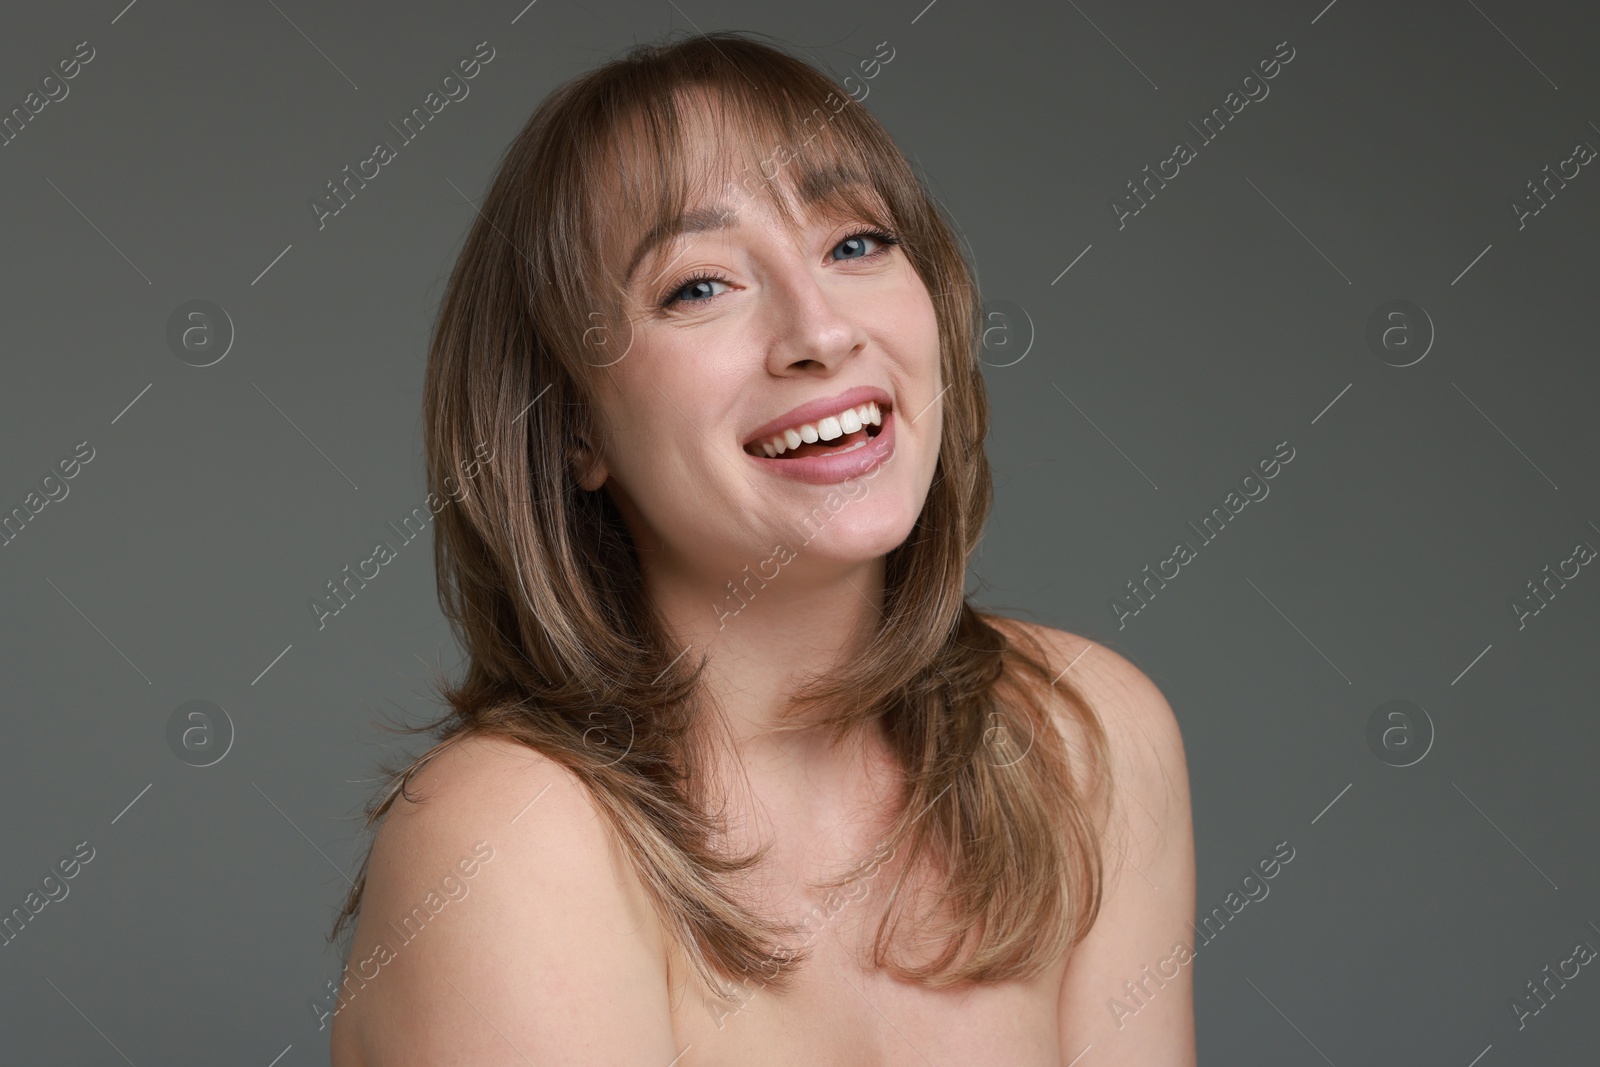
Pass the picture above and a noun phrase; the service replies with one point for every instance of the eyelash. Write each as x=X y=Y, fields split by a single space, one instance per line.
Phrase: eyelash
x=883 y=237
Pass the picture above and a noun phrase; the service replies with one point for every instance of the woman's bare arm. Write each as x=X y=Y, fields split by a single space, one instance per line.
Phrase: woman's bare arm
x=547 y=952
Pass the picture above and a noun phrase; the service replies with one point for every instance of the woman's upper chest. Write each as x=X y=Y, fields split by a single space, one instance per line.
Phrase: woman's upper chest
x=839 y=1011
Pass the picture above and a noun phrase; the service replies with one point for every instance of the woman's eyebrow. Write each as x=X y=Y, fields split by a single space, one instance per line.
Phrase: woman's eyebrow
x=695 y=220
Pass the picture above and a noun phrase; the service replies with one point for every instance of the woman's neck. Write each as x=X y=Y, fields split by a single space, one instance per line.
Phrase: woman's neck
x=784 y=633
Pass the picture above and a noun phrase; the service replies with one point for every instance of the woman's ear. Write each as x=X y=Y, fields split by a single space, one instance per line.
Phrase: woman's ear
x=588 y=464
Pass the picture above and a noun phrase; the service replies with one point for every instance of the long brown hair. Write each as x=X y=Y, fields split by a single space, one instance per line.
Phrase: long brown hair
x=542 y=585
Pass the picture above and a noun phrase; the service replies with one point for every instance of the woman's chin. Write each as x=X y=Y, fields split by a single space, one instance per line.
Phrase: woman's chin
x=853 y=538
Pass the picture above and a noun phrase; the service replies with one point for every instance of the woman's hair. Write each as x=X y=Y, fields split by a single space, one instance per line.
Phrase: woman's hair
x=542 y=584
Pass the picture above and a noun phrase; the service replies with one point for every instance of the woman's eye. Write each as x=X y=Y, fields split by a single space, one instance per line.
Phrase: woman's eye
x=855 y=246
x=694 y=291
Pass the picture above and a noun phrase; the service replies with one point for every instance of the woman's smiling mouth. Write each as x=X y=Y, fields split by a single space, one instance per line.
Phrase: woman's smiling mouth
x=830 y=440
x=844 y=432
x=823 y=425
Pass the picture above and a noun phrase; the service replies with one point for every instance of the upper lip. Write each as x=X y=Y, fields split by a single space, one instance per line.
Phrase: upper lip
x=812 y=410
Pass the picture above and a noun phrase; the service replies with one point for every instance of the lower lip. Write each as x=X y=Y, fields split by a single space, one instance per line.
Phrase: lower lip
x=825 y=469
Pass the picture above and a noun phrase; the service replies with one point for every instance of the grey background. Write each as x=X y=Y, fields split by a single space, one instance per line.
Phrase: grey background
x=1227 y=316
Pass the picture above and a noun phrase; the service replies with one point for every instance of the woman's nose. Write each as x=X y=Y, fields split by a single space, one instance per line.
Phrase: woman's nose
x=814 y=323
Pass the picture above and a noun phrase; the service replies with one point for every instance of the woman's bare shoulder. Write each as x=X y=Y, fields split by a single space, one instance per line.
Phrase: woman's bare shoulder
x=499 y=921
x=1122 y=696
x=1143 y=740
x=475 y=777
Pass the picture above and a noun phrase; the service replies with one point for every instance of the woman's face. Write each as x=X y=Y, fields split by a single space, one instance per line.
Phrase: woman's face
x=742 y=329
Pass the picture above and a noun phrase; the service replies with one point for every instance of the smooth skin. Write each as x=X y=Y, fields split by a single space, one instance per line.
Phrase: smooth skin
x=555 y=956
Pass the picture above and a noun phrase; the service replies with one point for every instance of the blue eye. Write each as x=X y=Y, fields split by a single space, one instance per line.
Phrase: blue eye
x=854 y=241
x=696 y=290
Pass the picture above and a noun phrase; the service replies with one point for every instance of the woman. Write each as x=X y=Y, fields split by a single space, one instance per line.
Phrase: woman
x=735 y=774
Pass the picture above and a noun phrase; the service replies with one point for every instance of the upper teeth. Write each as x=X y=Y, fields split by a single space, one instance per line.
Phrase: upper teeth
x=847 y=421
